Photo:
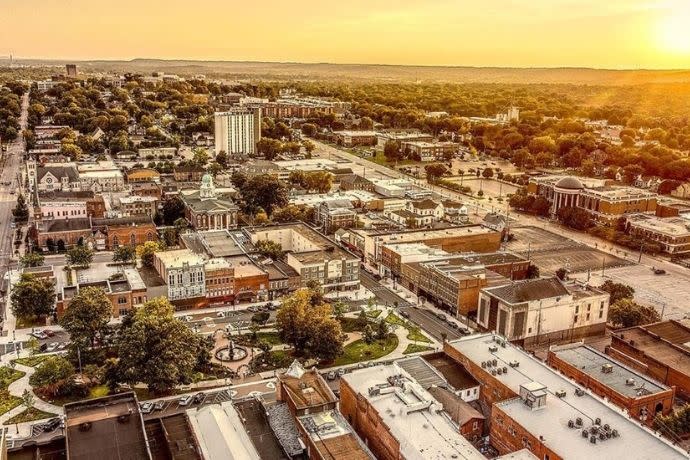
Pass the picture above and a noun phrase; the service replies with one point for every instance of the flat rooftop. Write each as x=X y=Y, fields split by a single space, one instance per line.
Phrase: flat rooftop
x=591 y=362
x=109 y=428
x=421 y=235
x=453 y=372
x=411 y=414
x=551 y=421
x=215 y=243
x=676 y=356
x=669 y=226
x=178 y=257
x=333 y=436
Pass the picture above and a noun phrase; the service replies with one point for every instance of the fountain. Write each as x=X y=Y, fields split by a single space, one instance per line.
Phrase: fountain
x=231 y=353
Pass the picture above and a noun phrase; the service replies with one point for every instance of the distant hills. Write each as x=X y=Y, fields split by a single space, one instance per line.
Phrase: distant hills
x=393 y=73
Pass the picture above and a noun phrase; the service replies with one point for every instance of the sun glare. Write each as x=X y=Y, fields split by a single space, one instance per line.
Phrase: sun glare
x=675 y=28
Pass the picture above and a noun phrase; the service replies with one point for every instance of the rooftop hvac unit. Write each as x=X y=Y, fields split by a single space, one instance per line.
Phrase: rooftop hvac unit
x=505 y=370
x=614 y=433
x=578 y=421
x=493 y=372
x=493 y=349
x=499 y=371
x=593 y=439
x=514 y=364
x=503 y=344
x=630 y=382
x=579 y=392
x=560 y=393
x=494 y=362
x=585 y=434
x=606 y=368
x=483 y=364
x=597 y=421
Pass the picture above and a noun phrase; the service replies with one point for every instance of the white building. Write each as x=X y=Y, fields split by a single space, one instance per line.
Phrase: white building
x=238 y=130
x=220 y=433
x=534 y=311
x=183 y=271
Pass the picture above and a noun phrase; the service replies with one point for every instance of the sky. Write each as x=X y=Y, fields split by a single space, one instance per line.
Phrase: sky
x=615 y=34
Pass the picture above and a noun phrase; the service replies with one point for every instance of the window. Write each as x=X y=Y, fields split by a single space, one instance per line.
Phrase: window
x=575 y=319
x=577 y=309
x=121 y=300
x=601 y=314
x=587 y=316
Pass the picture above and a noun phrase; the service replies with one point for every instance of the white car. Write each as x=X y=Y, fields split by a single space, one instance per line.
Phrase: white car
x=52 y=347
x=220 y=314
x=146 y=408
x=185 y=400
x=39 y=335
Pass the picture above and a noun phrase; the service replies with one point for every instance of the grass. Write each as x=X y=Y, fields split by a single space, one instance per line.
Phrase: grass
x=8 y=402
x=359 y=350
x=413 y=332
x=351 y=324
x=271 y=337
x=9 y=375
x=29 y=415
x=275 y=359
x=373 y=313
x=415 y=348
x=34 y=321
x=31 y=361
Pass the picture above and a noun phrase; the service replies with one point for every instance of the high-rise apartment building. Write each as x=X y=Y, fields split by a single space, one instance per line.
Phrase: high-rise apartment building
x=238 y=130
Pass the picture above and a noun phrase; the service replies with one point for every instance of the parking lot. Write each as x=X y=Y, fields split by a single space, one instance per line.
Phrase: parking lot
x=669 y=293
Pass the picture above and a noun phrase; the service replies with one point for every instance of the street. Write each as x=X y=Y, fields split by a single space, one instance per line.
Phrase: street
x=10 y=162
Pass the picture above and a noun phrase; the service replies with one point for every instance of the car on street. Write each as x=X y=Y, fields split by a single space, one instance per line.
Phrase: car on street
x=659 y=271
x=331 y=375
x=220 y=314
x=52 y=424
x=159 y=405
x=49 y=333
x=341 y=371
x=62 y=345
x=465 y=331
x=253 y=309
x=146 y=407
x=199 y=398
x=52 y=347
x=39 y=335
x=404 y=314
x=188 y=318
x=185 y=400
x=441 y=316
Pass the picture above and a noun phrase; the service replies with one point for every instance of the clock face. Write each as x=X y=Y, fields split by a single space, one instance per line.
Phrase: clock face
x=49 y=180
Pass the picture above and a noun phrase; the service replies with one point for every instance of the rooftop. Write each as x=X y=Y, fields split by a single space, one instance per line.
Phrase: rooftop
x=669 y=226
x=551 y=421
x=411 y=414
x=215 y=243
x=333 y=436
x=529 y=290
x=179 y=257
x=108 y=428
x=608 y=371
x=306 y=388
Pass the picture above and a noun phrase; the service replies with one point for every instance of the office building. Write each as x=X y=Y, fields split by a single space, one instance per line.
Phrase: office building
x=237 y=131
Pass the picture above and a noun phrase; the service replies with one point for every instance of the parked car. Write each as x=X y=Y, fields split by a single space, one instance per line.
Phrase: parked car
x=49 y=333
x=159 y=405
x=62 y=345
x=465 y=331
x=52 y=347
x=199 y=398
x=39 y=335
x=331 y=375
x=146 y=408
x=220 y=314
x=404 y=314
x=253 y=309
x=441 y=316
x=659 y=271
x=188 y=318
x=185 y=400
x=52 y=424
x=341 y=371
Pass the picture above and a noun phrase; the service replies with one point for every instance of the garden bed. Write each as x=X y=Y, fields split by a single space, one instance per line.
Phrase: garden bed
x=29 y=415
x=414 y=333
x=31 y=361
x=8 y=402
x=415 y=348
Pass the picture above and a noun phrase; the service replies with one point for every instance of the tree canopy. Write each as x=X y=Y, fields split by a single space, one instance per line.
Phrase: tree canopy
x=32 y=296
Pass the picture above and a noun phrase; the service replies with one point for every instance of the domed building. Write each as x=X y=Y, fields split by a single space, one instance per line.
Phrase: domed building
x=565 y=193
x=207 y=209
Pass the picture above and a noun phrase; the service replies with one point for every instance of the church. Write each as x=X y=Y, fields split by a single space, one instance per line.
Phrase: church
x=208 y=209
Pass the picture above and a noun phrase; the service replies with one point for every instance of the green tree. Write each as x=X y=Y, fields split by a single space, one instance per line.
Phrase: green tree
x=222 y=159
x=368 y=334
x=617 y=291
x=562 y=274
x=156 y=348
x=200 y=156
x=488 y=173
x=435 y=171
x=576 y=218
x=269 y=248
x=21 y=210
x=627 y=313
x=309 y=129
x=261 y=317
x=391 y=151
x=79 y=255
x=27 y=399
x=52 y=371
x=382 y=329
x=124 y=254
x=310 y=329
x=146 y=251
x=532 y=271
x=87 y=316
x=32 y=296
x=265 y=192
x=32 y=259
x=172 y=209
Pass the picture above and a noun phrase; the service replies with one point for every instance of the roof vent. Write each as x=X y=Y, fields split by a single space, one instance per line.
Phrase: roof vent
x=606 y=368
x=579 y=392
x=630 y=382
x=505 y=369
x=493 y=349
x=560 y=393
x=86 y=426
x=514 y=363
x=585 y=433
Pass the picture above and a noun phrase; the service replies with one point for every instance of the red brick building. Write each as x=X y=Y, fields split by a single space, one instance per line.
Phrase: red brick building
x=625 y=387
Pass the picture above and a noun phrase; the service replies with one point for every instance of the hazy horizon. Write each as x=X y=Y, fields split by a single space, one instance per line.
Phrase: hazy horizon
x=616 y=35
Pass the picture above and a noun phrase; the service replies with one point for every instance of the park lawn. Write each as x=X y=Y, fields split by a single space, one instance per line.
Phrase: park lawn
x=31 y=361
x=8 y=402
x=415 y=348
x=359 y=350
x=373 y=313
x=350 y=324
x=271 y=337
x=29 y=415
x=414 y=333
x=12 y=375
x=34 y=321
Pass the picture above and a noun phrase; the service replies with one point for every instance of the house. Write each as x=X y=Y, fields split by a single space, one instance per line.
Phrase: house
x=332 y=215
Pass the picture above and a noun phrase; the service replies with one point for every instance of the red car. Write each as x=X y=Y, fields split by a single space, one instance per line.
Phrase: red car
x=49 y=333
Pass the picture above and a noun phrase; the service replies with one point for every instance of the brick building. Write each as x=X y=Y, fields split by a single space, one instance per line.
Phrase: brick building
x=397 y=418
x=123 y=231
x=535 y=407
x=52 y=234
x=188 y=173
x=143 y=175
x=124 y=294
x=146 y=189
x=606 y=377
x=659 y=350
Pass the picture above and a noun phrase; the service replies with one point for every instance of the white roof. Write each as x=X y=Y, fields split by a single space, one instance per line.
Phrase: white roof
x=220 y=433
x=178 y=257
x=412 y=415
x=551 y=421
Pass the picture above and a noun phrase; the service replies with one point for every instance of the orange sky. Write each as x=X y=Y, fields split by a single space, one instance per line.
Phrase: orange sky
x=506 y=33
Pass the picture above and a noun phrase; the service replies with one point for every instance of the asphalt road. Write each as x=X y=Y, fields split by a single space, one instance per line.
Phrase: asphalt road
x=382 y=293
x=10 y=162
x=430 y=323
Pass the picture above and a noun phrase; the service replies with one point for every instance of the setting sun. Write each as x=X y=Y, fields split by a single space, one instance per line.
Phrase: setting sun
x=674 y=30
